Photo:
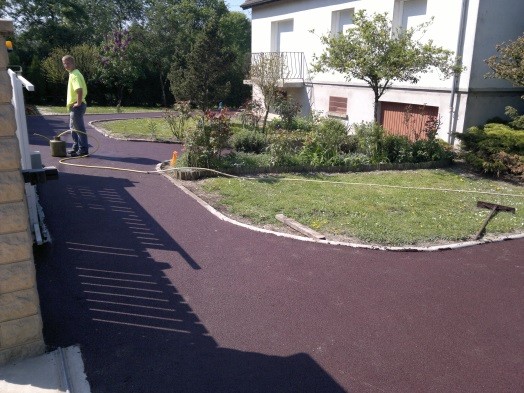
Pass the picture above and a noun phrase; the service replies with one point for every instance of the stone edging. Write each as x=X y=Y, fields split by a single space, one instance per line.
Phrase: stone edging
x=221 y=216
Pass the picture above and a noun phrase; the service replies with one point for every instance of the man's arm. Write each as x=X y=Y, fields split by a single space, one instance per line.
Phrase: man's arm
x=79 y=95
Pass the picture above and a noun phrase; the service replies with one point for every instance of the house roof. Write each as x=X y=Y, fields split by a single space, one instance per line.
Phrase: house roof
x=252 y=3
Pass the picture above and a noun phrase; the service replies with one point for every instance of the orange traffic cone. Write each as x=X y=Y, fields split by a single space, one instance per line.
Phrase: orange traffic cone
x=173 y=159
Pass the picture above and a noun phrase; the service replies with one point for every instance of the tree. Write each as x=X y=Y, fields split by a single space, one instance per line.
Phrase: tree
x=379 y=54
x=118 y=66
x=267 y=72
x=205 y=78
x=509 y=64
x=236 y=28
x=87 y=59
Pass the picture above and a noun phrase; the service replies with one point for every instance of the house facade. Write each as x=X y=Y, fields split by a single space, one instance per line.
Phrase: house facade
x=469 y=28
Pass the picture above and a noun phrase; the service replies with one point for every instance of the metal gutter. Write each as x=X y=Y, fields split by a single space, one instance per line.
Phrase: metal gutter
x=456 y=78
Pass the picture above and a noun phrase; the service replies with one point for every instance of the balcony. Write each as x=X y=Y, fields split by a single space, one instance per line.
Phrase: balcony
x=288 y=69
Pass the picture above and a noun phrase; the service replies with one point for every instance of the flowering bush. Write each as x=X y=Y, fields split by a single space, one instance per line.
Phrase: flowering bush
x=205 y=143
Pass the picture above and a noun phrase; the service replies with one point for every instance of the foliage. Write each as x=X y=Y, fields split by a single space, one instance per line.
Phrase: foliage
x=370 y=136
x=86 y=60
x=425 y=150
x=267 y=71
x=236 y=30
x=509 y=63
x=378 y=54
x=118 y=68
x=205 y=78
x=517 y=121
x=177 y=118
x=324 y=145
x=287 y=108
x=284 y=148
x=397 y=149
x=250 y=114
x=205 y=143
x=163 y=34
x=152 y=127
x=248 y=141
x=494 y=149
x=245 y=161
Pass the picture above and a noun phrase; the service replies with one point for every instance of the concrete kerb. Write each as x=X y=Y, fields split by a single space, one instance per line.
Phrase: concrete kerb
x=59 y=371
x=440 y=247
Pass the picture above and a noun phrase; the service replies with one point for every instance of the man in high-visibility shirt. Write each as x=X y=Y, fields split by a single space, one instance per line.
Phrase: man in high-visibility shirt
x=76 y=104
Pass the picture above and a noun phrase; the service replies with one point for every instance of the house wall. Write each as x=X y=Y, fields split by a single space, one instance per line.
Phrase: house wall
x=497 y=22
x=20 y=321
x=482 y=30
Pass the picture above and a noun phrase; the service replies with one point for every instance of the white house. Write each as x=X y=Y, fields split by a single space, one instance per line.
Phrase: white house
x=470 y=28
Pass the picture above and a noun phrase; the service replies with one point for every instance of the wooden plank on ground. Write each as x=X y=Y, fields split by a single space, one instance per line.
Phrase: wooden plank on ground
x=299 y=227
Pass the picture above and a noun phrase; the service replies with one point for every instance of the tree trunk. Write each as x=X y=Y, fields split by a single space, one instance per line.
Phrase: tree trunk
x=375 y=107
x=265 y=120
x=163 y=90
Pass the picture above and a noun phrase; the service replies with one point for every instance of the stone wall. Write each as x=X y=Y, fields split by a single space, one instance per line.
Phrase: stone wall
x=20 y=321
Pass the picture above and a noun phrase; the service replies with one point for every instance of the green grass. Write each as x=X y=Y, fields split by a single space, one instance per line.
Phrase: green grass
x=153 y=129
x=142 y=128
x=370 y=212
x=95 y=110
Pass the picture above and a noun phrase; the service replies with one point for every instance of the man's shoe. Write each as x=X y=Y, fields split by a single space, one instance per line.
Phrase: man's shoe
x=79 y=153
x=72 y=151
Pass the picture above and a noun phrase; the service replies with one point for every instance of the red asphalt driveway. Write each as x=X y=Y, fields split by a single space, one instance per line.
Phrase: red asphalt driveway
x=162 y=296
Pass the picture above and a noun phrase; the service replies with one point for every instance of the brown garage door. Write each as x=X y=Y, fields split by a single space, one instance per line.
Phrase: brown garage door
x=406 y=119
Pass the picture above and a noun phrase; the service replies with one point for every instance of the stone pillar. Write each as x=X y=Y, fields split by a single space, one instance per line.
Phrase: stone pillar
x=20 y=320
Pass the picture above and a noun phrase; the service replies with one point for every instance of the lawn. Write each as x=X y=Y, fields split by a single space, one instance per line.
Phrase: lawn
x=387 y=208
x=152 y=129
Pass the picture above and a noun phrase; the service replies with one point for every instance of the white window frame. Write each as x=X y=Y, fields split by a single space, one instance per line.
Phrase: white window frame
x=336 y=27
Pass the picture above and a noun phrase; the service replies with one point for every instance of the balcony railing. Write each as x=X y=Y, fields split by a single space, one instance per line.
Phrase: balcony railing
x=288 y=67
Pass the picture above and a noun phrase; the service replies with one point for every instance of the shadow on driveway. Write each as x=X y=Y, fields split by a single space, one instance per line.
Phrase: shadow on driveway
x=100 y=287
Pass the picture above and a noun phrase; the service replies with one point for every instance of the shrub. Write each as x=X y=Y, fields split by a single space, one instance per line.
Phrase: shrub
x=494 y=149
x=177 y=118
x=517 y=121
x=397 y=149
x=205 y=143
x=370 y=137
x=491 y=139
x=284 y=148
x=251 y=113
x=248 y=141
x=287 y=108
x=355 y=159
x=431 y=150
x=325 y=143
x=246 y=160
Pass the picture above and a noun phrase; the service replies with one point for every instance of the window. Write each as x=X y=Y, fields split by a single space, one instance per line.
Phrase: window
x=338 y=106
x=282 y=36
x=410 y=13
x=342 y=20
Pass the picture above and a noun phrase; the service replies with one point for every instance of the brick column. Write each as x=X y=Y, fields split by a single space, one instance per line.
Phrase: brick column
x=20 y=321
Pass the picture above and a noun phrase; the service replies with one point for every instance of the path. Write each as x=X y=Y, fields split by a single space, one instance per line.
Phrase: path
x=162 y=296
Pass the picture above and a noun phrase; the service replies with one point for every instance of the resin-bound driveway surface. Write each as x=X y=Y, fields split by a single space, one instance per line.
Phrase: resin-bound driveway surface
x=162 y=296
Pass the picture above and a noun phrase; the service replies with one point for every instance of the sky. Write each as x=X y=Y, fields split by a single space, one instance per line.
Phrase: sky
x=234 y=5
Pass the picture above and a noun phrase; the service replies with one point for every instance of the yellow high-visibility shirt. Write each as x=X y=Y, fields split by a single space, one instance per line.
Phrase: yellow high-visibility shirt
x=76 y=81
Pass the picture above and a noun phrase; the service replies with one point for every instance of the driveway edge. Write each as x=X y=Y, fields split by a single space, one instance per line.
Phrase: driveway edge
x=440 y=247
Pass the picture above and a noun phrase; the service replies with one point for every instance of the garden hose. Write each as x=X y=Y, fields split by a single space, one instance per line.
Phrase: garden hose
x=65 y=160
